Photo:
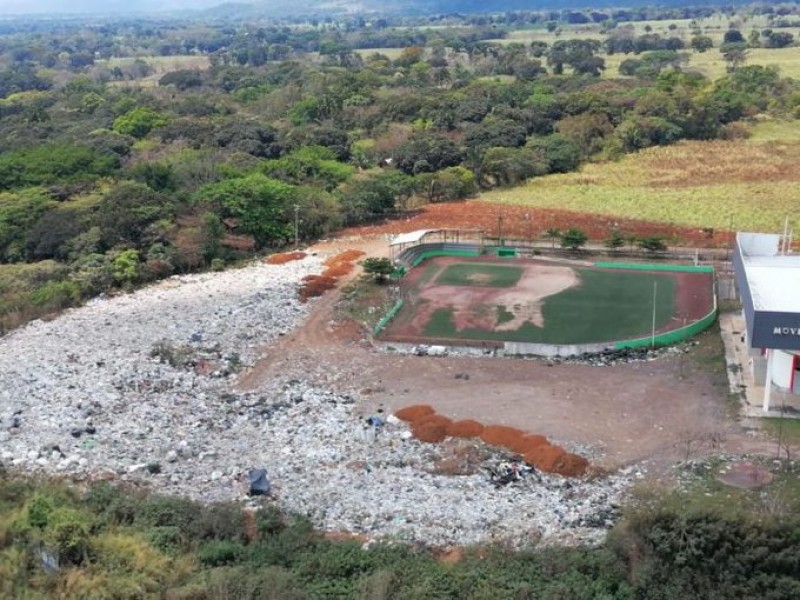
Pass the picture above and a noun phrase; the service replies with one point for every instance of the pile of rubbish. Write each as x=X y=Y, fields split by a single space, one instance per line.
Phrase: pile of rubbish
x=117 y=390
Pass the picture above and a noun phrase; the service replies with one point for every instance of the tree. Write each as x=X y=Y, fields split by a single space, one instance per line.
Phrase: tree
x=426 y=153
x=313 y=165
x=127 y=211
x=509 y=166
x=735 y=54
x=578 y=54
x=573 y=239
x=779 y=39
x=561 y=153
x=733 y=36
x=615 y=239
x=139 y=122
x=652 y=244
x=256 y=203
x=379 y=268
x=453 y=183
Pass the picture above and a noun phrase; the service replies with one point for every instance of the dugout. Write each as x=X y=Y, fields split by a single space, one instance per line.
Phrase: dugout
x=768 y=280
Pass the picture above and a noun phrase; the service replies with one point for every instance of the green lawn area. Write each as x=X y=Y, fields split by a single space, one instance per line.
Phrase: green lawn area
x=480 y=275
x=606 y=306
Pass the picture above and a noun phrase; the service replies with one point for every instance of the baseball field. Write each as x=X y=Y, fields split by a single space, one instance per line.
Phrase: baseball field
x=449 y=299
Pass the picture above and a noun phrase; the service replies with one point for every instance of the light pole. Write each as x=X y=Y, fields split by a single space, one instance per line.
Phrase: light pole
x=653 y=338
x=296 y=226
x=530 y=229
x=500 y=229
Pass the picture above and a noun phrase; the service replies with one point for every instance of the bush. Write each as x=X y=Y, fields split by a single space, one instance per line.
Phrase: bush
x=56 y=295
x=219 y=553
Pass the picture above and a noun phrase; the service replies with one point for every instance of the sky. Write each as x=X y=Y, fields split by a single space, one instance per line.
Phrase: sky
x=16 y=7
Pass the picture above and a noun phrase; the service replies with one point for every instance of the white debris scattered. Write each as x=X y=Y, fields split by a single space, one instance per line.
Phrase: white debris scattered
x=140 y=386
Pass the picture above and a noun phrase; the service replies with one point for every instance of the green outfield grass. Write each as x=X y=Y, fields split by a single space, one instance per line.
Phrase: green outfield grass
x=606 y=306
x=480 y=275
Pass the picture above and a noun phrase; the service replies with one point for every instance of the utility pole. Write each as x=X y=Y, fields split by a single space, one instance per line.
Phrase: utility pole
x=296 y=226
x=530 y=229
x=653 y=337
x=500 y=229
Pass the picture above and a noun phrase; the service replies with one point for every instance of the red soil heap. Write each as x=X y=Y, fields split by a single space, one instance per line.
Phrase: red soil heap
x=335 y=267
x=500 y=435
x=284 y=257
x=465 y=429
x=432 y=433
x=427 y=426
x=412 y=413
x=527 y=443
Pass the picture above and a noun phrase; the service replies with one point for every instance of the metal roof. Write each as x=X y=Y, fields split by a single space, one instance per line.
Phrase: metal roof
x=773 y=278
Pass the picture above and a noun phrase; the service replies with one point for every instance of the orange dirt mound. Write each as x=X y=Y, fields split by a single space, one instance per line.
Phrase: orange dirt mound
x=348 y=256
x=414 y=413
x=465 y=429
x=339 y=270
x=430 y=432
x=526 y=443
x=434 y=418
x=571 y=465
x=545 y=458
x=284 y=257
x=336 y=266
x=315 y=285
x=500 y=435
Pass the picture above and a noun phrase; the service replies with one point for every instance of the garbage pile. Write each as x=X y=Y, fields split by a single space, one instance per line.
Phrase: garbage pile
x=117 y=390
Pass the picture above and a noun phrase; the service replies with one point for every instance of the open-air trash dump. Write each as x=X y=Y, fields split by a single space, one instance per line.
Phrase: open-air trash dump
x=140 y=387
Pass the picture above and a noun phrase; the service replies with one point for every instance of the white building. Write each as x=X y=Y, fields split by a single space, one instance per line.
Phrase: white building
x=768 y=280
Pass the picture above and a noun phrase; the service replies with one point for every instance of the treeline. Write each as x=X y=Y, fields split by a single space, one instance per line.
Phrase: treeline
x=116 y=542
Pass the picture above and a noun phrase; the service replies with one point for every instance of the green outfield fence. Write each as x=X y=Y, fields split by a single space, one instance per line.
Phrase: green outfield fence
x=434 y=253
x=654 y=267
x=387 y=317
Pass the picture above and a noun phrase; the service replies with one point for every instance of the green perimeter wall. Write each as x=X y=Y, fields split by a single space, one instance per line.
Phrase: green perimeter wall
x=388 y=317
x=654 y=267
x=434 y=253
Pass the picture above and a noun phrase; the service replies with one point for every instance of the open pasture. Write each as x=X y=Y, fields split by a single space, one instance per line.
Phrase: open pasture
x=740 y=184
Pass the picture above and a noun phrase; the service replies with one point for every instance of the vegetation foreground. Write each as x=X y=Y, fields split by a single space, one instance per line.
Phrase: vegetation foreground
x=102 y=541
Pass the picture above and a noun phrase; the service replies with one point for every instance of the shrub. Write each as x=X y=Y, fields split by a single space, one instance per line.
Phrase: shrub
x=219 y=552
x=56 y=295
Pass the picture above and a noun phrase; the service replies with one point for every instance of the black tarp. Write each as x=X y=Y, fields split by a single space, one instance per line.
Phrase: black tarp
x=259 y=482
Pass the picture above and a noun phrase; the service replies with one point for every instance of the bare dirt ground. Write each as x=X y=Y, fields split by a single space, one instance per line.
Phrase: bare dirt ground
x=659 y=411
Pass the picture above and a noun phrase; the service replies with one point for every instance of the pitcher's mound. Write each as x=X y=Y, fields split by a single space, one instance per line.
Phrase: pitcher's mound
x=745 y=476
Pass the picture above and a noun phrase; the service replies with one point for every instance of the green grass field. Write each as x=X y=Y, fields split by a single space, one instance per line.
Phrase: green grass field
x=606 y=306
x=748 y=184
x=480 y=275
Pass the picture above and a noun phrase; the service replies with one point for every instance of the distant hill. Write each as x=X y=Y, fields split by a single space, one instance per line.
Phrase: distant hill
x=320 y=7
